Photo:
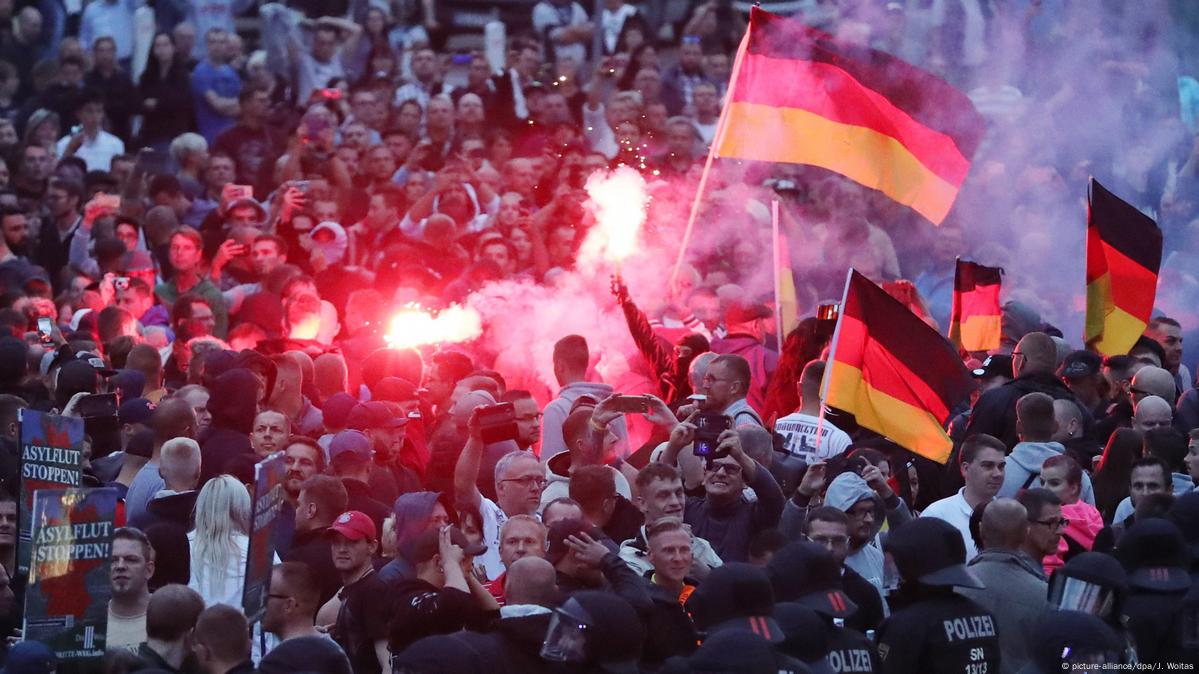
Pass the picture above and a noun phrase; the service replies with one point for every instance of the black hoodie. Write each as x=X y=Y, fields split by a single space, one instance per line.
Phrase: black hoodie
x=995 y=411
x=233 y=403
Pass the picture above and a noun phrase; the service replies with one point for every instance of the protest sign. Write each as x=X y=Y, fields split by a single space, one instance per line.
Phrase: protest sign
x=66 y=602
x=51 y=458
x=268 y=499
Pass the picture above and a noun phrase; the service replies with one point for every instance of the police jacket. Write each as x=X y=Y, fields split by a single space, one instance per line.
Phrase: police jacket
x=939 y=633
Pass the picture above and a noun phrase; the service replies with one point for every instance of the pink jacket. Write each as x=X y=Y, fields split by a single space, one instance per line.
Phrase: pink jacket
x=1085 y=524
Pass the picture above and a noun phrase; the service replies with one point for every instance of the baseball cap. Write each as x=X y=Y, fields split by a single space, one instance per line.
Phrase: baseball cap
x=134 y=261
x=742 y=312
x=336 y=409
x=931 y=551
x=736 y=596
x=807 y=573
x=375 y=414
x=29 y=657
x=996 y=365
x=425 y=545
x=394 y=389
x=135 y=411
x=1080 y=363
x=561 y=530
x=354 y=525
x=128 y=383
x=350 y=442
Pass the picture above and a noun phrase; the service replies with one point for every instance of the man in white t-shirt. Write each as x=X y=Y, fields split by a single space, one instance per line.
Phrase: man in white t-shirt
x=982 y=471
x=132 y=565
x=808 y=438
x=519 y=480
x=91 y=143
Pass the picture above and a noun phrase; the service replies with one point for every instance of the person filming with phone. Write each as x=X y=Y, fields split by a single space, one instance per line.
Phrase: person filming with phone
x=724 y=516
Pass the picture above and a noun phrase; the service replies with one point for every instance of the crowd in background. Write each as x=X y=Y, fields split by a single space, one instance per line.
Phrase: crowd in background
x=214 y=208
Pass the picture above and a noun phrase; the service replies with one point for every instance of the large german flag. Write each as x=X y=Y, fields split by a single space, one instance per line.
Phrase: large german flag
x=800 y=96
x=1124 y=252
x=975 y=323
x=893 y=372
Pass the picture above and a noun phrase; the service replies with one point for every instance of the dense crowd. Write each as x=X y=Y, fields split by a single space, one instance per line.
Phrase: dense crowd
x=218 y=226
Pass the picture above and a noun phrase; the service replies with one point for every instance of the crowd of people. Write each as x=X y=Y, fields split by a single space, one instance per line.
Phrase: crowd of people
x=218 y=227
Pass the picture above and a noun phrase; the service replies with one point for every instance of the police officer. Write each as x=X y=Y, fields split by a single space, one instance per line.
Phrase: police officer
x=594 y=632
x=1154 y=554
x=934 y=630
x=1071 y=641
x=1094 y=583
x=807 y=574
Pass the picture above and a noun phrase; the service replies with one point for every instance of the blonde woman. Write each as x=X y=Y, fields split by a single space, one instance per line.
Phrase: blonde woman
x=220 y=540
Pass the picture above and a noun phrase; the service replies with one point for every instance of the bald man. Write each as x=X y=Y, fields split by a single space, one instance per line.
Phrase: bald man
x=531 y=591
x=1153 y=381
x=1152 y=412
x=1015 y=584
x=1034 y=362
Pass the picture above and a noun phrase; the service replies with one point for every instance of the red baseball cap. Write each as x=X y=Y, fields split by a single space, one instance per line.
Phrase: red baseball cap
x=354 y=525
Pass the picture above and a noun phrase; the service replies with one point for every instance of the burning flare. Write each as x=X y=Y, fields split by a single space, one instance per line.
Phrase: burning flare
x=414 y=326
x=618 y=200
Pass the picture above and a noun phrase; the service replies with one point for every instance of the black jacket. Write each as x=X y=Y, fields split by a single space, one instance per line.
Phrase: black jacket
x=312 y=548
x=672 y=632
x=174 y=509
x=729 y=528
x=995 y=411
x=620 y=579
x=940 y=633
x=511 y=645
x=870 y=604
x=361 y=499
x=422 y=610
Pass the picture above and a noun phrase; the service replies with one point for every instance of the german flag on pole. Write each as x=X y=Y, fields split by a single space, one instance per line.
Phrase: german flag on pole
x=1124 y=252
x=799 y=96
x=976 y=321
x=893 y=372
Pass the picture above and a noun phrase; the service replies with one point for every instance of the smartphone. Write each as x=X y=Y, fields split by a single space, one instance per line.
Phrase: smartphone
x=826 y=318
x=98 y=405
x=45 y=329
x=630 y=404
x=708 y=427
x=331 y=94
x=496 y=422
x=303 y=185
x=121 y=283
x=232 y=193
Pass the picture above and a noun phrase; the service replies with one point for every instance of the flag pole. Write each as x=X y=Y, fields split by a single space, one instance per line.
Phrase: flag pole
x=721 y=125
x=832 y=358
x=778 y=278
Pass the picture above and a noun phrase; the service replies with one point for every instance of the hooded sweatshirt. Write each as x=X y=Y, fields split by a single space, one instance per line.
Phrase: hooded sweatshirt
x=1025 y=462
x=412 y=513
x=233 y=404
x=848 y=489
x=559 y=408
x=1183 y=484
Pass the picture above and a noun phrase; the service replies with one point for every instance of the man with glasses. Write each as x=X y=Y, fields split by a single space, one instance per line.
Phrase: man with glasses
x=1015 y=583
x=528 y=418
x=829 y=527
x=1034 y=361
x=519 y=481
x=292 y=603
x=726 y=385
x=1045 y=523
x=723 y=515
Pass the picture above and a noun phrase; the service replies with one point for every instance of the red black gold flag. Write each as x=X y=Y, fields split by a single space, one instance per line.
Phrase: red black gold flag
x=1124 y=252
x=893 y=372
x=800 y=96
x=976 y=321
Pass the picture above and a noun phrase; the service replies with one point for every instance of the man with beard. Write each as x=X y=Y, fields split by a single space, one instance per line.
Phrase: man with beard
x=322 y=498
x=15 y=224
x=365 y=612
x=8 y=531
x=528 y=418
x=132 y=565
x=302 y=458
x=271 y=428
x=383 y=426
x=15 y=268
x=350 y=459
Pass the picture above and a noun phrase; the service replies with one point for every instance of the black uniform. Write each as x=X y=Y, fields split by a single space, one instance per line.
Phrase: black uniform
x=362 y=621
x=850 y=652
x=944 y=633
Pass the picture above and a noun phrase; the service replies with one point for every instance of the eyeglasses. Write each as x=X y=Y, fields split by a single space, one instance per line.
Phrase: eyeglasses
x=829 y=541
x=527 y=482
x=531 y=417
x=1059 y=523
x=726 y=468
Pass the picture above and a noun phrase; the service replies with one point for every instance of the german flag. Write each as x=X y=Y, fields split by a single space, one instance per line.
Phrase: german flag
x=893 y=372
x=1124 y=252
x=799 y=96
x=975 y=323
